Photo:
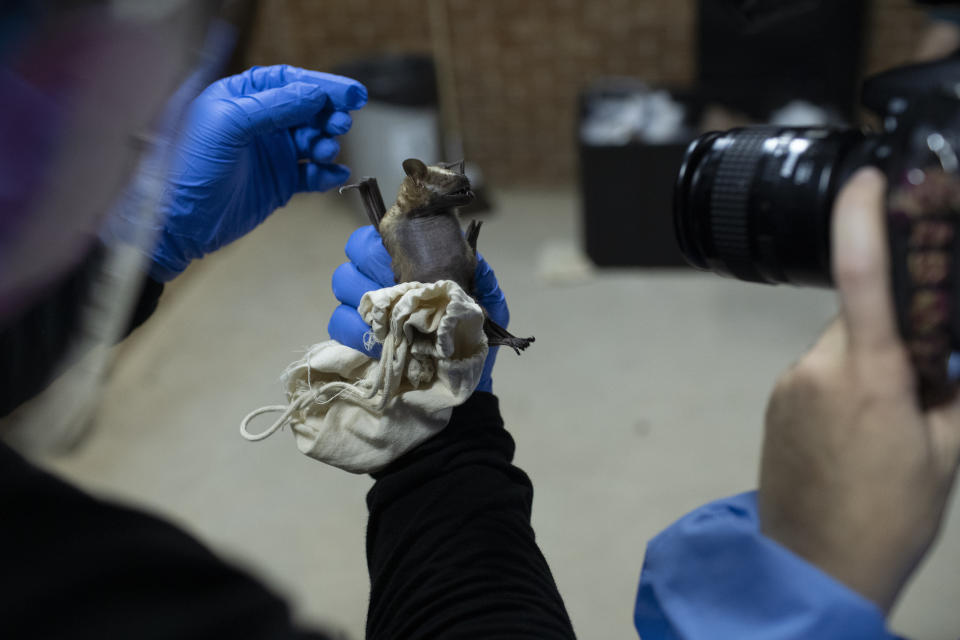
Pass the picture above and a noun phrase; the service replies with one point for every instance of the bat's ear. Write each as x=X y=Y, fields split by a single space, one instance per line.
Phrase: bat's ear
x=415 y=169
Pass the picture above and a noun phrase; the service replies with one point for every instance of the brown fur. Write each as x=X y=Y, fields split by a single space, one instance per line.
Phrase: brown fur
x=422 y=233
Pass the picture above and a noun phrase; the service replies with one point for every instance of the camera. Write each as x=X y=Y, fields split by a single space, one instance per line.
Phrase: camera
x=754 y=203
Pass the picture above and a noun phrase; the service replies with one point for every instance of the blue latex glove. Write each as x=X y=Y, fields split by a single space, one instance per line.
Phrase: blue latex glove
x=251 y=141
x=369 y=269
x=713 y=576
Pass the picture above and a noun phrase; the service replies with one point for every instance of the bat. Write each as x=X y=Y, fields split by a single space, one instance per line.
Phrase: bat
x=422 y=233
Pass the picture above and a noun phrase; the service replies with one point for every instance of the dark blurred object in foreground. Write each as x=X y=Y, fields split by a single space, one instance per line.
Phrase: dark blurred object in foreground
x=772 y=52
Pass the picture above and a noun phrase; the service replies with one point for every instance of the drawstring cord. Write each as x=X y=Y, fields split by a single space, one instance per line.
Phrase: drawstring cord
x=383 y=381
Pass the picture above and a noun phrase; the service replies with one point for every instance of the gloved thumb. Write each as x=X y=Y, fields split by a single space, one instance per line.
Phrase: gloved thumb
x=488 y=293
x=283 y=107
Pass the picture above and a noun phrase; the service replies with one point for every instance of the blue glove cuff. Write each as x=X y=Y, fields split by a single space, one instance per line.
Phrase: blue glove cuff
x=486 y=377
x=161 y=273
x=169 y=259
x=712 y=574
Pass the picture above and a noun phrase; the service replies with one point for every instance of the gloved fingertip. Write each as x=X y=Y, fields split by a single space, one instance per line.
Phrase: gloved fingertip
x=358 y=240
x=325 y=150
x=357 y=237
x=348 y=328
x=356 y=96
x=350 y=285
x=338 y=173
x=338 y=279
x=338 y=123
x=332 y=325
x=321 y=177
x=369 y=233
x=365 y=249
x=304 y=139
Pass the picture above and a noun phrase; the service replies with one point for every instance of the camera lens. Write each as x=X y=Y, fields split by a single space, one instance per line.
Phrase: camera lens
x=754 y=203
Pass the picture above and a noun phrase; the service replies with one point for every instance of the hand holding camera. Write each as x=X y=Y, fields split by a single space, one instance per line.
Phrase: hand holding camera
x=863 y=433
x=754 y=203
x=855 y=475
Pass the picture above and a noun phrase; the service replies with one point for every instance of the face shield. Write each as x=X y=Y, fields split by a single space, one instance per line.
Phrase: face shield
x=93 y=93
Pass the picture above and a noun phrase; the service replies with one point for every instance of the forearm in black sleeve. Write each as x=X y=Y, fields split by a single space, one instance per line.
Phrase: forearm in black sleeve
x=73 y=566
x=450 y=549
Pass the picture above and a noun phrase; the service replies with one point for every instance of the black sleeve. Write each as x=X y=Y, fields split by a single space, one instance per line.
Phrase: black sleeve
x=450 y=549
x=72 y=566
x=33 y=344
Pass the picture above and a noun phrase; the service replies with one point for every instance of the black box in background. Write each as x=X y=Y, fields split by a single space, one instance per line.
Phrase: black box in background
x=627 y=196
x=627 y=204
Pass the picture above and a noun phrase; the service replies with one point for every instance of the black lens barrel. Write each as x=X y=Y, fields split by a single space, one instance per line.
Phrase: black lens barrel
x=754 y=203
x=729 y=204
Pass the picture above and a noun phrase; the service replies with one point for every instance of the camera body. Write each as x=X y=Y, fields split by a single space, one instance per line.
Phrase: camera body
x=755 y=204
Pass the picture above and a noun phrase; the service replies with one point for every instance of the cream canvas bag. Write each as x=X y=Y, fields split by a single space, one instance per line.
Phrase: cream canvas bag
x=359 y=414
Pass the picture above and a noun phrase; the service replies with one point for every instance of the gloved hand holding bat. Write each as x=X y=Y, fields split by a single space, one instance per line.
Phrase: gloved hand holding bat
x=369 y=269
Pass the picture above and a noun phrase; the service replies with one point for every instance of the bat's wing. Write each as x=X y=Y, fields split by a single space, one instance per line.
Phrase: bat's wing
x=372 y=200
x=473 y=231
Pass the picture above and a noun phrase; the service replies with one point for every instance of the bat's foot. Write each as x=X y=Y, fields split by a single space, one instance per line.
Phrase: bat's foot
x=497 y=336
x=515 y=343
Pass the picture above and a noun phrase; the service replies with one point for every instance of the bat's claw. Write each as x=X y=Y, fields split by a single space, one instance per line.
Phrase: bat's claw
x=497 y=336
x=517 y=344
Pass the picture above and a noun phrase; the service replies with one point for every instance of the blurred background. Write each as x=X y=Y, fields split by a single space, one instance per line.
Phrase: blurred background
x=517 y=68
x=644 y=394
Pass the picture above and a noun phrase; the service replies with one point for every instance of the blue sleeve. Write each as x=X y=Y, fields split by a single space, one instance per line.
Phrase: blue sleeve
x=713 y=575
